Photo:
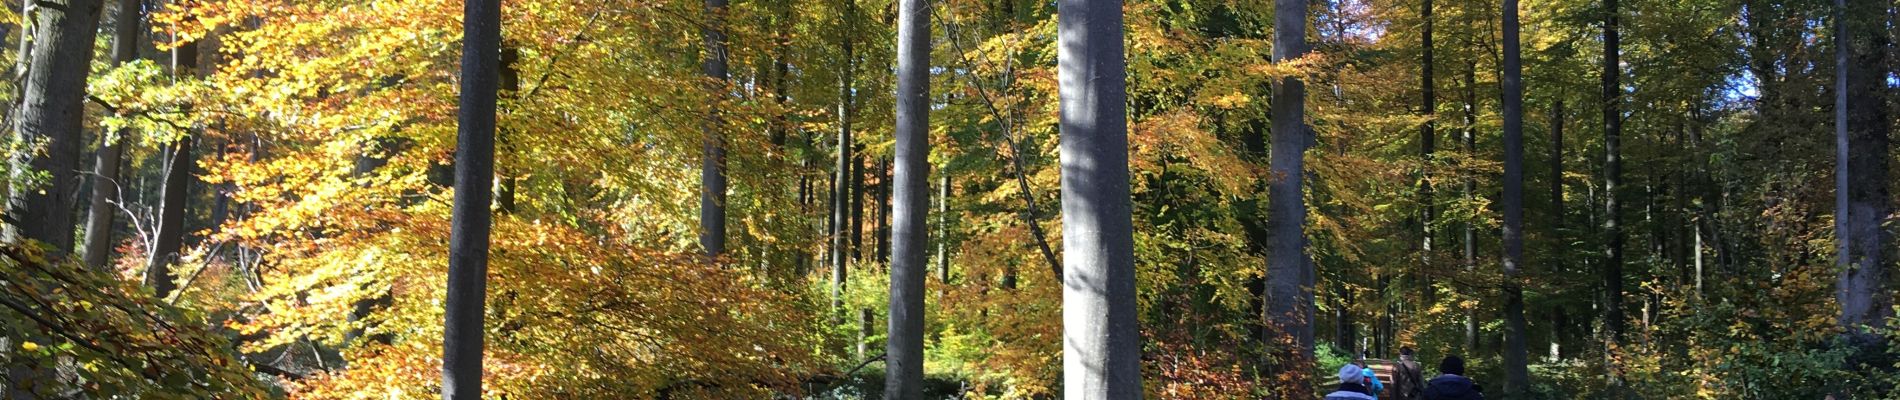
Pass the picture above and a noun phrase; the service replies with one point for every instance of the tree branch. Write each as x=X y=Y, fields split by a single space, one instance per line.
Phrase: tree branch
x=1030 y=212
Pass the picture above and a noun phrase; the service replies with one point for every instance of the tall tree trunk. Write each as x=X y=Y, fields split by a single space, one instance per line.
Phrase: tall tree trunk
x=510 y=84
x=1427 y=144
x=170 y=238
x=885 y=190
x=1680 y=214
x=842 y=191
x=1289 y=285
x=1862 y=122
x=1612 y=182
x=470 y=221
x=857 y=202
x=943 y=226
x=1516 y=354
x=1101 y=350
x=909 y=238
x=1345 y=333
x=105 y=187
x=1469 y=134
x=50 y=118
x=1559 y=318
x=712 y=167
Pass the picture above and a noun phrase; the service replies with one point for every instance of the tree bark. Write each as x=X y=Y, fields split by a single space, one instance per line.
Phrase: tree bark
x=1862 y=125
x=712 y=168
x=50 y=118
x=1101 y=351
x=470 y=221
x=842 y=190
x=1469 y=134
x=1427 y=144
x=943 y=227
x=885 y=191
x=857 y=202
x=171 y=219
x=1612 y=182
x=169 y=239
x=1345 y=333
x=1516 y=353
x=105 y=185
x=1558 y=316
x=1289 y=287
x=909 y=238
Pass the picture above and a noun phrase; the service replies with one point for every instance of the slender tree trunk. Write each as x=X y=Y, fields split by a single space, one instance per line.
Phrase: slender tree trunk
x=842 y=190
x=50 y=117
x=904 y=377
x=857 y=203
x=170 y=238
x=1289 y=288
x=1469 y=134
x=943 y=227
x=1427 y=144
x=470 y=221
x=1680 y=213
x=865 y=320
x=885 y=190
x=1612 y=182
x=171 y=218
x=1516 y=354
x=105 y=187
x=1559 y=318
x=1862 y=125
x=510 y=84
x=712 y=168
x=1345 y=333
x=1101 y=350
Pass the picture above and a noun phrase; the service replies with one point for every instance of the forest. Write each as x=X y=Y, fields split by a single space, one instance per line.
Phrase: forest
x=950 y=199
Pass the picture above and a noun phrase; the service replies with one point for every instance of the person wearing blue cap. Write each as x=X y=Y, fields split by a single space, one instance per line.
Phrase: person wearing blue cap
x=1351 y=384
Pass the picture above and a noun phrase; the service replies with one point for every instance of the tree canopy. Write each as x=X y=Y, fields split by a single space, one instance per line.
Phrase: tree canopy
x=738 y=199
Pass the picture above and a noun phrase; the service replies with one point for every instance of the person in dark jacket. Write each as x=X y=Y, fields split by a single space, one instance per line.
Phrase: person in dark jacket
x=1351 y=386
x=1451 y=384
x=1408 y=378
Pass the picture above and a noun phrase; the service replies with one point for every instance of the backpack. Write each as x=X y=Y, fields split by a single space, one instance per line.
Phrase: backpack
x=1406 y=378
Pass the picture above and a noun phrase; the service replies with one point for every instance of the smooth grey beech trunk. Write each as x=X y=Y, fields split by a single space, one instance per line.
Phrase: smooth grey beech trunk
x=1516 y=352
x=1289 y=305
x=904 y=376
x=1862 y=122
x=50 y=117
x=712 y=167
x=470 y=221
x=1101 y=344
x=100 y=211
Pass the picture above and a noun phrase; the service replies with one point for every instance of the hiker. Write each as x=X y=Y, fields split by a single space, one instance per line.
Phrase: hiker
x=1451 y=384
x=1351 y=384
x=1371 y=381
x=1408 y=378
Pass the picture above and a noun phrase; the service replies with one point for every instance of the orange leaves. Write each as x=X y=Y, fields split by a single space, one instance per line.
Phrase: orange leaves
x=1179 y=134
x=568 y=313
